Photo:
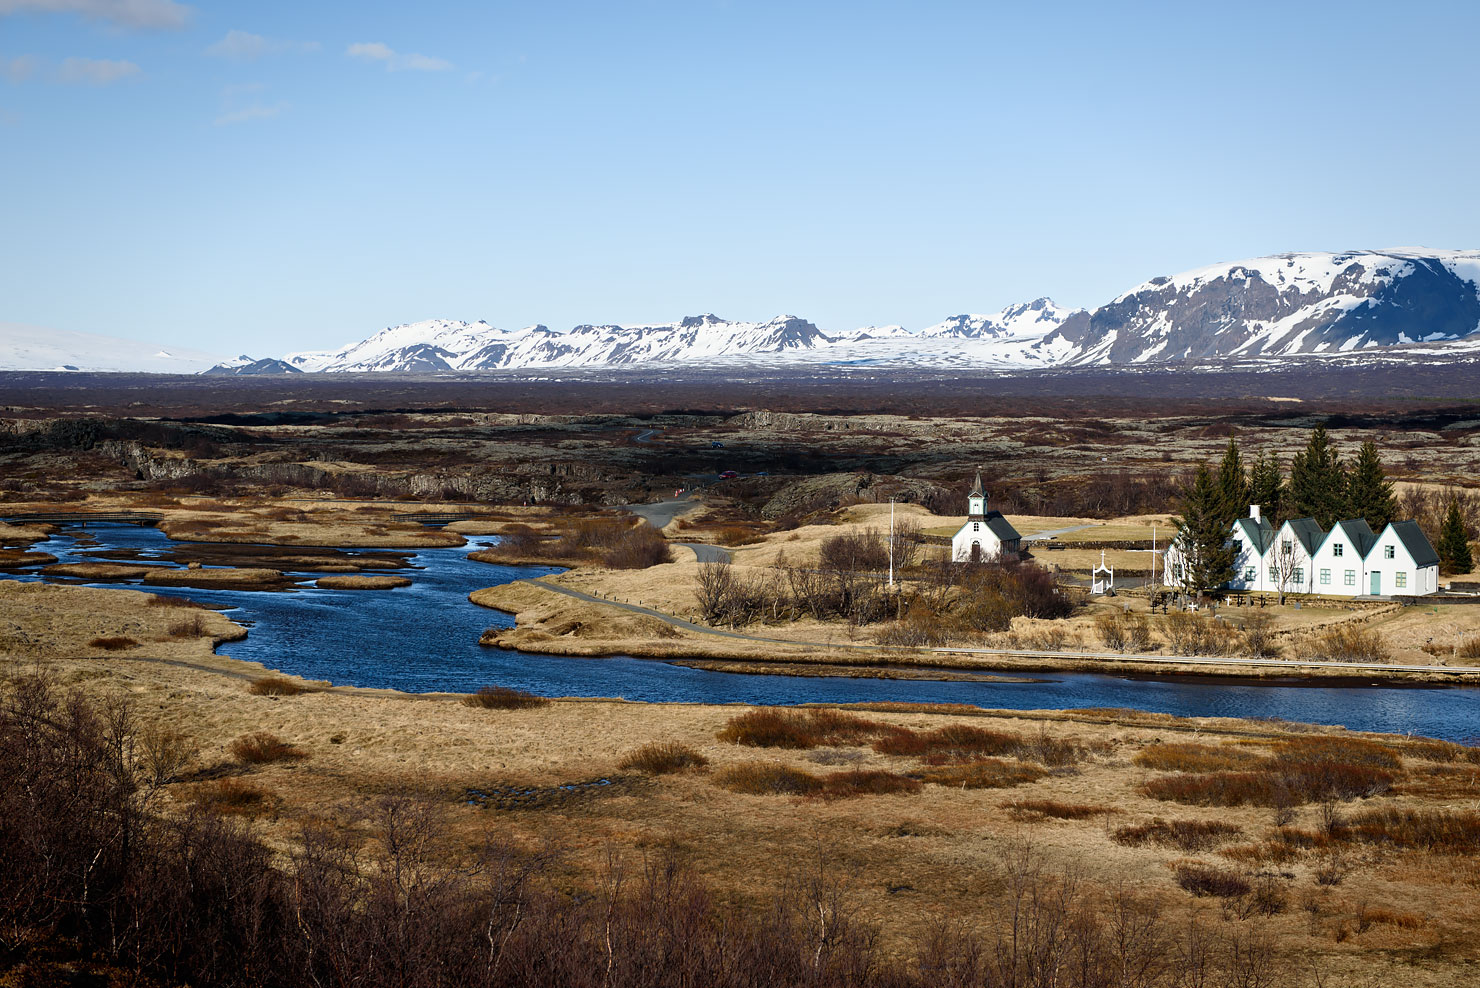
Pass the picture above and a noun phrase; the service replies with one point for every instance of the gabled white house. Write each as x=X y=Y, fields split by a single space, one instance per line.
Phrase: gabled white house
x=1349 y=561
x=986 y=536
x=1402 y=562
x=1252 y=537
x=1341 y=561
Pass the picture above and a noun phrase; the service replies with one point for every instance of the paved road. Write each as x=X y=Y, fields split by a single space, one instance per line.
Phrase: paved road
x=646 y=436
x=707 y=553
x=1058 y=531
x=1112 y=657
x=660 y=513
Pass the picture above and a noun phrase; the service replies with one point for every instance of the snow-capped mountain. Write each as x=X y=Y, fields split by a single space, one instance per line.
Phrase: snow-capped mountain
x=441 y=345
x=1027 y=321
x=1307 y=303
x=33 y=348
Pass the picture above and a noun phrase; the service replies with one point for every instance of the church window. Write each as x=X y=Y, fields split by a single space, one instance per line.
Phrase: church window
x=976 y=526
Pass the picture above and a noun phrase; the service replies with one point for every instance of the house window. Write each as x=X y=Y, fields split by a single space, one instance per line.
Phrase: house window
x=1400 y=579
x=1297 y=575
x=1387 y=552
x=1248 y=574
x=1325 y=578
x=1177 y=571
x=1351 y=578
x=1336 y=549
x=1287 y=547
x=1274 y=574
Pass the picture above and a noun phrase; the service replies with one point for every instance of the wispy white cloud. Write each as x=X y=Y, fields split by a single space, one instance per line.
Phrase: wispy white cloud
x=19 y=69
x=126 y=13
x=256 y=111
x=243 y=46
x=96 y=71
x=394 y=61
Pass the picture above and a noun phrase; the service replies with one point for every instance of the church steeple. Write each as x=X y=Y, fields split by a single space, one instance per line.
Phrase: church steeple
x=976 y=501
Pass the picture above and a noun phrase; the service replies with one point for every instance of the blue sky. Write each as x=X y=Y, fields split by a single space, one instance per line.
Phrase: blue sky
x=269 y=177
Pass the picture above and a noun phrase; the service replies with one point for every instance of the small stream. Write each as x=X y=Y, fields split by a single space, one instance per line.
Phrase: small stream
x=424 y=638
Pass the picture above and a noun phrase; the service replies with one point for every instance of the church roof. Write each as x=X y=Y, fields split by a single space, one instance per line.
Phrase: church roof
x=1001 y=527
x=976 y=487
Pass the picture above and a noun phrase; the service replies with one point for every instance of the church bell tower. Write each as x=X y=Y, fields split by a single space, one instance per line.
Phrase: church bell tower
x=976 y=501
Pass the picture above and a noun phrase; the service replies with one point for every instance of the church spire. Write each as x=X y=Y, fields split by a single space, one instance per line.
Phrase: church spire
x=976 y=501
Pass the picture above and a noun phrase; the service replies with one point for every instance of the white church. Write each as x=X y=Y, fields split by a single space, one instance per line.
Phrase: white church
x=986 y=536
x=1300 y=557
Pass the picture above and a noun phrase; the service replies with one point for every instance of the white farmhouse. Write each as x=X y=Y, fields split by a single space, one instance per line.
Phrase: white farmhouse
x=1349 y=561
x=1402 y=562
x=986 y=536
x=1341 y=561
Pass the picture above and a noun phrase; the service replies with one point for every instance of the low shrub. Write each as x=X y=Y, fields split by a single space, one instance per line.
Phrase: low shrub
x=1187 y=835
x=1194 y=634
x=1469 y=648
x=1259 y=638
x=1189 y=757
x=1031 y=809
x=275 y=686
x=769 y=727
x=504 y=698
x=663 y=757
x=1123 y=631
x=230 y=796
x=193 y=626
x=113 y=643
x=1201 y=880
x=986 y=773
x=262 y=748
x=768 y=779
x=953 y=741
x=1345 y=643
x=1438 y=831
x=867 y=782
x=638 y=548
x=1388 y=917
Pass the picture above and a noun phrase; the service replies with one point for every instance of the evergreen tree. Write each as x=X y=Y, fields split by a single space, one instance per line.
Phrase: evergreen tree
x=1203 y=535
x=1317 y=482
x=1267 y=488
x=1233 y=484
x=1454 y=542
x=1369 y=494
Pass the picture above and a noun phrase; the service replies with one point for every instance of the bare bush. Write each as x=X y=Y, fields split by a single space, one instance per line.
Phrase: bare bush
x=1345 y=643
x=664 y=757
x=504 y=698
x=275 y=686
x=262 y=748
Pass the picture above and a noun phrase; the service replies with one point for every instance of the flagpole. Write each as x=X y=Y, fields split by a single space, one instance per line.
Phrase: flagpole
x=891 y=543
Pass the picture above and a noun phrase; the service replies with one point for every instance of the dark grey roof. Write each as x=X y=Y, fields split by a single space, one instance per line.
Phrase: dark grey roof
x=1359 y=534
x=1260 y=534
x=1001 y=527
x=1309 y=532
x=1416 y=542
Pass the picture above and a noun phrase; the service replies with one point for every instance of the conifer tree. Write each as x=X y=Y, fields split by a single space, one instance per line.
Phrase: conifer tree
x=1267 y=488
x=1233 y=484
x=1203 y=535
x=1369 y=494
x=1317 y=482
x=1454 y=542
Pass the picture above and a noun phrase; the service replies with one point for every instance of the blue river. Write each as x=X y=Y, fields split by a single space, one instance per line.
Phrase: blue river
x=424 y=638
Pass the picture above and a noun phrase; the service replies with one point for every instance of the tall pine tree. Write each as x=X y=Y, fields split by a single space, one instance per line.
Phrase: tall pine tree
x=1317 y=482
x=1267 y=488
x=1369 y=494
x=1233 y=484
x=1454 y=542
x=1203 y=535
